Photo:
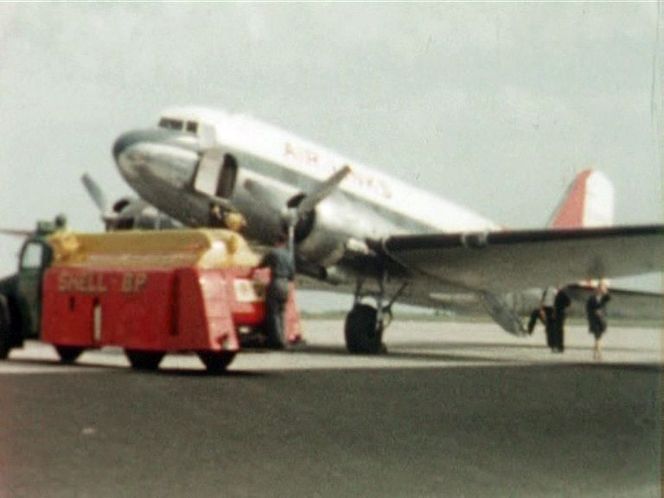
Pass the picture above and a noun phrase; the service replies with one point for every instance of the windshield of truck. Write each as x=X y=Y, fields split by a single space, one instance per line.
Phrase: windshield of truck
x=32 y=255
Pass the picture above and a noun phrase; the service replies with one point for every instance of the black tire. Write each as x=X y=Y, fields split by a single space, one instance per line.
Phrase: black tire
x=6 y=342
x=144 y=360
x=362 y=335
x=68 y=354
x=216 y=361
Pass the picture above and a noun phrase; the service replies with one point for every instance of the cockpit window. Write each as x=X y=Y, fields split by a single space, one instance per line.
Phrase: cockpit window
x=171 y=124
x=192 y=126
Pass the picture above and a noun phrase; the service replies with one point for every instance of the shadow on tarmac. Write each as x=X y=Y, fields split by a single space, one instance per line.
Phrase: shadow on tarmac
x=500 y=345
x=394 y=354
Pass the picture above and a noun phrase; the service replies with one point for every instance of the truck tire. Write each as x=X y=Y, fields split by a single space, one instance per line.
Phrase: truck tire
x=216 y=361
x=68 y=354
x=144 y=360
x=5 y=329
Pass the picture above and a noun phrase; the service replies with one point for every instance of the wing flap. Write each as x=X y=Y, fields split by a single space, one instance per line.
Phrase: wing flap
x=521 y=259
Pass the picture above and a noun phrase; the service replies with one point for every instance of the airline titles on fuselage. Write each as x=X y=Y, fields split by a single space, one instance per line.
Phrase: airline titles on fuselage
x=308 y=158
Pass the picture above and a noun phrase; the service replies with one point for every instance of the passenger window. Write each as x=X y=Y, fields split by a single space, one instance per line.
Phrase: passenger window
x=32 y=256
x=192 y=126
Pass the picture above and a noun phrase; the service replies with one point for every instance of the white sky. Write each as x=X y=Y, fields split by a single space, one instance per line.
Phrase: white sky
x=495 y=106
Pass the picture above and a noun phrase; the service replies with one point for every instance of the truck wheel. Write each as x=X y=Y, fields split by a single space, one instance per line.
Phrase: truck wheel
x=68 y=354
x=144 y=360
x=5 y=329
x=216 y=361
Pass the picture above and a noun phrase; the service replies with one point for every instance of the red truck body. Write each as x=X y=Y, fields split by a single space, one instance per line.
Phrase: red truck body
x=156 y=310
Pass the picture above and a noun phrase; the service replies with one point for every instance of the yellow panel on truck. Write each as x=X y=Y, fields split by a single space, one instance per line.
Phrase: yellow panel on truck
x=201 y=248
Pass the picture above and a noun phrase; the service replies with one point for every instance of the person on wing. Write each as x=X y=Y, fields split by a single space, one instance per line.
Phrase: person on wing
x=560 y=305
x=596 y=314
x=280 y=261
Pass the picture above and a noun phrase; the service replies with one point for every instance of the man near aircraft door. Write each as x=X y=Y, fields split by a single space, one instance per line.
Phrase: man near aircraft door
x=596 y=313
x=280 y=261
x=230 y=220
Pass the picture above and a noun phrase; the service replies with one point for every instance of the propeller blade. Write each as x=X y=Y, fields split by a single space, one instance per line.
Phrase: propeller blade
x=312 y=199
x=16 y=232
x=95 y=192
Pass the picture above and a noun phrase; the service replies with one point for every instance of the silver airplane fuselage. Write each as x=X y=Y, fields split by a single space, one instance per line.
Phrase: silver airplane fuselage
x=270 y=169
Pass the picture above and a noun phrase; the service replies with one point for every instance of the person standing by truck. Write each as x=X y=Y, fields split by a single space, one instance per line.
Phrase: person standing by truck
x=596 y=314
x=280 y=261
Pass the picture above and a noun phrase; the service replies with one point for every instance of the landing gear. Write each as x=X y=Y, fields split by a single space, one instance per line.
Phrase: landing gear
x=365 y=324
x=363 y=331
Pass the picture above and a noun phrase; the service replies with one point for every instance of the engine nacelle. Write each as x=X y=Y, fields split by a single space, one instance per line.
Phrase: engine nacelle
x=322 y=235
x=131 y=213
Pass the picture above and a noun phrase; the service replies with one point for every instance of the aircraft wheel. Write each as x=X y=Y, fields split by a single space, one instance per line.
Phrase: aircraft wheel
x=216 y=361
x=5 y=329
x=144 y=360
x=68 y=354
x=362 y=335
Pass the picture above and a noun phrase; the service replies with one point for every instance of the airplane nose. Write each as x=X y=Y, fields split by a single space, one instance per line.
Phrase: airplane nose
x=121 y=144
x=128 y=152
x=126 y=140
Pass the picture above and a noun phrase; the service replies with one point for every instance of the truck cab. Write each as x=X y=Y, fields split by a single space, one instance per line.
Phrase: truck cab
x=20 y=293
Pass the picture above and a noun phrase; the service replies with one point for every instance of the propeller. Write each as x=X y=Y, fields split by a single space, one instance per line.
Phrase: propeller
x=300 y=206
x=95 y=192
x=16 y=232
x=99 y=198
x=127 y=212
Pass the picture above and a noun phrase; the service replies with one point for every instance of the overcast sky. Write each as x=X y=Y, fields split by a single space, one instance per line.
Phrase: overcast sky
x=494 y=106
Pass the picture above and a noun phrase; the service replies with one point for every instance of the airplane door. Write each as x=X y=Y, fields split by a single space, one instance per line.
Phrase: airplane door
x=216 y=174
x=226 y=180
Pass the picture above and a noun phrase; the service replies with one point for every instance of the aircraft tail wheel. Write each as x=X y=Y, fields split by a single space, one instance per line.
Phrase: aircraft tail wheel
x=362 y=335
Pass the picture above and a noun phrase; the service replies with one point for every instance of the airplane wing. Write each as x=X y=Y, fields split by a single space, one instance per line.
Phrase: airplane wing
x=521 y=259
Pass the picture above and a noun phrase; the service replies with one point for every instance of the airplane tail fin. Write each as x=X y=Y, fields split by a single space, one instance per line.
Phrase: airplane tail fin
x=588 y=202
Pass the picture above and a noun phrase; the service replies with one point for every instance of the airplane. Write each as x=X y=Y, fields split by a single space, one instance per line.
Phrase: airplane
x=354 y=229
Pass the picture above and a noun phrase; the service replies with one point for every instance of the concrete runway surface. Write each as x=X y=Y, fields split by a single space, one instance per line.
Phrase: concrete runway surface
x=453 y=410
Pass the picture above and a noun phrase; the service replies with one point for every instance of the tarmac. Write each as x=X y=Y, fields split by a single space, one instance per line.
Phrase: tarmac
x=453 y=409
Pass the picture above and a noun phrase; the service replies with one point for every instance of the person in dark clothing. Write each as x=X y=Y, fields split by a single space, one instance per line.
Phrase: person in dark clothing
x=596 y=314
x=546 y=313
x=537 y=314
x=282 y=266
x=560 y=305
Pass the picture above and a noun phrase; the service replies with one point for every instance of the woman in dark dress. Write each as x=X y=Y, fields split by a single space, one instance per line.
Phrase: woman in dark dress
x=596 y=313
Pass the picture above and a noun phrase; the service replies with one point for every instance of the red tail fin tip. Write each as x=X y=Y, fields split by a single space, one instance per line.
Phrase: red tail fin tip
x=588 y=202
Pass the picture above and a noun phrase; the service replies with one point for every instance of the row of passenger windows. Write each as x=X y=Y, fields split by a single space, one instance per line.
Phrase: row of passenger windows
x=178 y=124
